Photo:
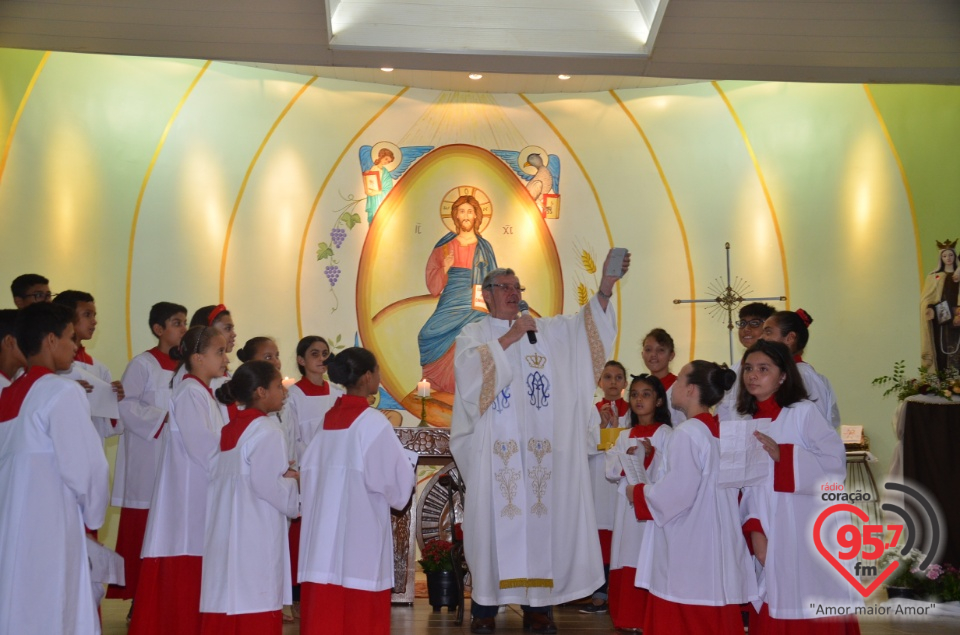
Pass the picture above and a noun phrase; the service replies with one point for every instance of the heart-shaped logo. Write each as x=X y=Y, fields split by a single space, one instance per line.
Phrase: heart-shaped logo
x=833 y=560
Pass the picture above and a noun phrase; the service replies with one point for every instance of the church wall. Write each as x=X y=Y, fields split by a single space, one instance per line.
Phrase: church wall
x=142 y=180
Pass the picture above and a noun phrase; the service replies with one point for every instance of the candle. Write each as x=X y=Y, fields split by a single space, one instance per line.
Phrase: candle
x=288 y=381
x=423 y=388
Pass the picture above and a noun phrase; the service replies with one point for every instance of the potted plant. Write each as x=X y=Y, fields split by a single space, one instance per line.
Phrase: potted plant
x=437 y=563
x=937 y=583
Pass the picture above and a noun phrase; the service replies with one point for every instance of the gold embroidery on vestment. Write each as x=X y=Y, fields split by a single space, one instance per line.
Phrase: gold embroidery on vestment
x=488 y=392
x=597 y=355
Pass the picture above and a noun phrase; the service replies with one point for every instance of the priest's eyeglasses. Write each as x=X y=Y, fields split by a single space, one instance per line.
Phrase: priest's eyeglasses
x=754 y=324
x=508 y=287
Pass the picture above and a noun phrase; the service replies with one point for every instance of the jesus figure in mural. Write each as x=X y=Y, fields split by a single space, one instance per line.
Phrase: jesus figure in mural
x=459 y=261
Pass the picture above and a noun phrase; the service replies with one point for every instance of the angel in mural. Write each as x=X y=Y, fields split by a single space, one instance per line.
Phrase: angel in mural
x=458 y=262
x=383 y=181
x=939 y=315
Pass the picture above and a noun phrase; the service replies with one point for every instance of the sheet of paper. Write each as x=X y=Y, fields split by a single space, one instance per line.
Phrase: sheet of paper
x=106 y=566
x=103 y=400
x=633 y=467
x=743 y=461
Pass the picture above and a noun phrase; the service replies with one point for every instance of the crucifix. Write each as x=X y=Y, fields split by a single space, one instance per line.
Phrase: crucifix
x=728 y=298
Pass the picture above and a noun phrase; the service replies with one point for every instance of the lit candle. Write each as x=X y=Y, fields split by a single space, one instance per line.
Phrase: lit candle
x=423 y=388
x=288 y=381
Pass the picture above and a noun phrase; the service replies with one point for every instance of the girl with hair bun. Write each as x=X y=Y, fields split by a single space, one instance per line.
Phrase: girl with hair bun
x=649 y=431
x=168 y=592
x=693 y=559
x=252 y=492
x=778 y=514
x=352 y=473
x=792 y=329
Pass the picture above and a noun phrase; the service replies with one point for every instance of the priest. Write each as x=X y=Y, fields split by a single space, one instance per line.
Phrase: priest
x=524 y=396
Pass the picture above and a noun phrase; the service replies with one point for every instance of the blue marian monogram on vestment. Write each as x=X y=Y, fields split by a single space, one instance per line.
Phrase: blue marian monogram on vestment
x=538 y=389
x=502 y=402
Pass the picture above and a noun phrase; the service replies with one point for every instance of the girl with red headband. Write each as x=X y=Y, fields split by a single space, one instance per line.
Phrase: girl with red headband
x=792 y=328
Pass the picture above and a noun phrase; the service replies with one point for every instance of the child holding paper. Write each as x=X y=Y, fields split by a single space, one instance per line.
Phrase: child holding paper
x=84 y=311
x=779 y=513
x=693 y=558
x=649 y=420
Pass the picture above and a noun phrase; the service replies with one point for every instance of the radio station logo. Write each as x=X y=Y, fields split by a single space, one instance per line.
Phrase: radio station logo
x=868 y=544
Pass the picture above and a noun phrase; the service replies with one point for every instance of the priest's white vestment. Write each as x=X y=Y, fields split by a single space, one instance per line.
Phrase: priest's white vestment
x=519 y=438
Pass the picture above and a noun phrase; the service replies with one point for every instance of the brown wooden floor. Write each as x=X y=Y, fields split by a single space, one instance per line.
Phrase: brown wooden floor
x=421 y=620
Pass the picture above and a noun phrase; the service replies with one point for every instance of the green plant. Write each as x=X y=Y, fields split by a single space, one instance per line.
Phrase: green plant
x=436 y=556
x=944 y=383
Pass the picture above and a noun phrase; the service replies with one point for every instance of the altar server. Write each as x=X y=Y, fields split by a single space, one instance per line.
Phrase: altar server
x=612 y=409
x=307 y=404
x=648 y=432
x=12 y=360
x=311 y=397
x=792 y=328
x=252 y=492
x=84 y=324
x=147 y=386
x=168 y=595
x=749 y=330
x=693 y=559
x=353 y=472
x=657 y=352
x=53 y=481
x=779 y=514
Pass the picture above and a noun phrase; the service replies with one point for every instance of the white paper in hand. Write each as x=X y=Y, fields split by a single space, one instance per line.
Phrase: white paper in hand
x=103 y=399
x=743 y=461
x=633 y=468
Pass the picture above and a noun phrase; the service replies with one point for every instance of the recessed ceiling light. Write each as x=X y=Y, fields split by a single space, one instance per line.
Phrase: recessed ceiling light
x=475 y=76
x=387 y=69
x=563 y=77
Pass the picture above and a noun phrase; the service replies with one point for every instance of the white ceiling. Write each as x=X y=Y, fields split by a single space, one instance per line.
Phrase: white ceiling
x=518 y=45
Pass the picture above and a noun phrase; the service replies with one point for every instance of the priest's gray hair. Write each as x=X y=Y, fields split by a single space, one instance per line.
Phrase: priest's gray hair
x=491 y=277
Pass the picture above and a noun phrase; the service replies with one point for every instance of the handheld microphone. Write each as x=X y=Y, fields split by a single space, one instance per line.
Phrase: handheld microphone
x=525 y=311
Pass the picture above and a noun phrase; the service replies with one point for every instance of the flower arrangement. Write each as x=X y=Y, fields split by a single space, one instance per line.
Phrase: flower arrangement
x=436 y=556
x=944 y=383
x=940 y=583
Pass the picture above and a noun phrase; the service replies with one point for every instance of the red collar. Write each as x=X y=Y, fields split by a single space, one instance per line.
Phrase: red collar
x=231 y=433
x=711 y=421
x=798 y=359
x=622 y=406
x=668 y=380
x=639 y=432
x=310 y=389
x=11 y=399
x=200 y=381
x=768 y=408
x=166 y=362
x=344 y=412
x=82 y=356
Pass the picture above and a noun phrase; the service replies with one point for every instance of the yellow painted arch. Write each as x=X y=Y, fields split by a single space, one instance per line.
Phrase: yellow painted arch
x=246 y=178
x=143 y=189
x=676 y=213
x=323 y=187
x=763 y=186
x=20 y=108
x=903 y=177
x=596 y=197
